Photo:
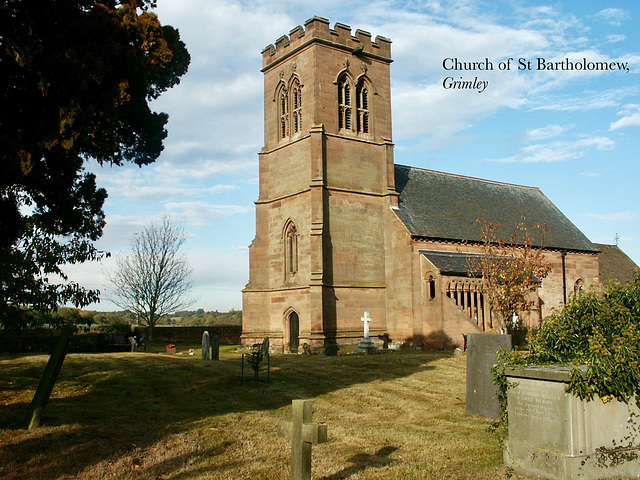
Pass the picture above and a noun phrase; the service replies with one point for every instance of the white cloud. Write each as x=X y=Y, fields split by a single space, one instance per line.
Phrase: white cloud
x=628 y=121
x=614 y=216
x=558 y=151
x=631 y=117
x=616 y=38
x=167 y=181
x=584 y=100
x=201 y=214
x=549 y=131
x=204 y=168
x=612 y=16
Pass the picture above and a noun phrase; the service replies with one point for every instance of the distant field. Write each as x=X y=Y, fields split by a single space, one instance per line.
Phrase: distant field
x=153 y=416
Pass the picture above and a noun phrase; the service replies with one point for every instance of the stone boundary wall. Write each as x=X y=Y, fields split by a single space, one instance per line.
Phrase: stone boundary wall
x=44 y=340
x=229 y=334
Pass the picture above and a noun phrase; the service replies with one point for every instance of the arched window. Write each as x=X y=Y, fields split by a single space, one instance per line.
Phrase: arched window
x=296 y=101
x=432 y=288
x=362 y=104
x=284 y=113
x=578 y=288
x=344 y=103
x=291 y=250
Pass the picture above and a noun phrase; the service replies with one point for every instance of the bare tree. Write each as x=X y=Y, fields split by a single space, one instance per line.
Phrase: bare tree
x=153 y=279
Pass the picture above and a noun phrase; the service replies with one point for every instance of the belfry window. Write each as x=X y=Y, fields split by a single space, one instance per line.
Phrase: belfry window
x=296 y=94
x=284 y=114
x=291 y=250
x=344 y=103
x=362 y=104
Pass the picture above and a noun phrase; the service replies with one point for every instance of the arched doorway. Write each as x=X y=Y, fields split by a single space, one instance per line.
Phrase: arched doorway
x=294 y=332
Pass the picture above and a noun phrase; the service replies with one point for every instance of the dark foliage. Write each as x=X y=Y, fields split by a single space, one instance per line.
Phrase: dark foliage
x=75 y=80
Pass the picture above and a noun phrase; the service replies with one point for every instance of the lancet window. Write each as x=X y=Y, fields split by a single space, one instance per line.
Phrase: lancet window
x=296 y=101
x=362 y=104
x=291 y=250
x=289 y=108
x=344 y=103
x=284 y=113
x=432 y=287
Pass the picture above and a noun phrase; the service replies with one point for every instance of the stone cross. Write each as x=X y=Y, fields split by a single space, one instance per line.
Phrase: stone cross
x=205 y=345
x=302 y=434
x=366 y=319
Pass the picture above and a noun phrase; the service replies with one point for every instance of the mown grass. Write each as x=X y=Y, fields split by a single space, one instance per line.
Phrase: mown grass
x=397 y=415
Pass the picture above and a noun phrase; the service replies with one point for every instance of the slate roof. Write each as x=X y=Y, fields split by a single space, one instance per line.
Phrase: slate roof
x=615 y=264
x=452 y=263
x=443 y=206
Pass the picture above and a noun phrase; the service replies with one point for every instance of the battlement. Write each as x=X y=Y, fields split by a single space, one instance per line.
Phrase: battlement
x=318 y=29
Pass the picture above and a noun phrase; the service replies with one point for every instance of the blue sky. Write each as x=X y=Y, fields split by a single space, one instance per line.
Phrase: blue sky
x=575 y=135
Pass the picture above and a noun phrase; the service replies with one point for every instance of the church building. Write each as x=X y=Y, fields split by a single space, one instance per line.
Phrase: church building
x=341 y=229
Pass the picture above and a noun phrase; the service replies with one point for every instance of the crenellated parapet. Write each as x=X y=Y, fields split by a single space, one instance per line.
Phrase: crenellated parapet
x=317 y=29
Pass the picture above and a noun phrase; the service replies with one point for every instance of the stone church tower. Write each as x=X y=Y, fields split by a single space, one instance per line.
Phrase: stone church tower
x=326 y=179
x=341 y=229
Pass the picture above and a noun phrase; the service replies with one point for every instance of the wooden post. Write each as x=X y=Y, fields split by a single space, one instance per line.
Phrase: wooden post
x=302 y=434
x=49 y=377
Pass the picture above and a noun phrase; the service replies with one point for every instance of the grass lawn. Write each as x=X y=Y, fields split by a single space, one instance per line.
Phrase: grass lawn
x=398 y=415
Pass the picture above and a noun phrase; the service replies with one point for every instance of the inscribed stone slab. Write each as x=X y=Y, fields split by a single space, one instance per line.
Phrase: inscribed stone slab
x=482 y=394
x=555 y=435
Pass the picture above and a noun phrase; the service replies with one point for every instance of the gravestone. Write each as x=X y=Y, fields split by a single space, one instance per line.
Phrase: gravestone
x=205 y=345
x=553 y=434
x=482 y=394
x=303 y=434
x=215 y=348
x=366 y=345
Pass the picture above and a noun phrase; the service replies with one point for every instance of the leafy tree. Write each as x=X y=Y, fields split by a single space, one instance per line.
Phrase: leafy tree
x=153 y=279
x=511 y=269
x=76 y=77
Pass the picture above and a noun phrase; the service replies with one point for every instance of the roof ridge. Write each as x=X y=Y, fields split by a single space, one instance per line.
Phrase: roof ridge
x=497 y=182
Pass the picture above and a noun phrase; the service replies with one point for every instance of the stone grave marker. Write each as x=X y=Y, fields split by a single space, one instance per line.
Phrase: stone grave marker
x=482 y=354
x=366 y=345
x=205 y=345
x=303 y=434
x=554 y=434
x=215 y=348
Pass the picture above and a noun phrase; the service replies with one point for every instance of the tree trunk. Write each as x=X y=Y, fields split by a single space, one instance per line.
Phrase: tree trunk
x=49 y=377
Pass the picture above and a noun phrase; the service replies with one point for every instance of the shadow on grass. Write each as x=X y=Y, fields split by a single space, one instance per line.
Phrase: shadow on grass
x=363 y=461
x=109 y=405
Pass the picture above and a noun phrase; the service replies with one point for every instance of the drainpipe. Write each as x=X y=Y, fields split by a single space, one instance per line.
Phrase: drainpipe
x=564 y=276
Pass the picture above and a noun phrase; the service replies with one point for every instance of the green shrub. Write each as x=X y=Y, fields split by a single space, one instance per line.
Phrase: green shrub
x=117 y=328
x=602 y=332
